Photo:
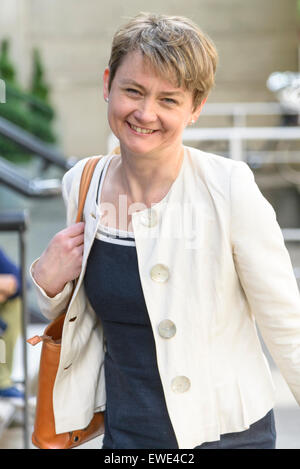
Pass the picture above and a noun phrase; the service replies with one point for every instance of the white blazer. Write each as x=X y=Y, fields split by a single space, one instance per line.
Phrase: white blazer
x=213 y=281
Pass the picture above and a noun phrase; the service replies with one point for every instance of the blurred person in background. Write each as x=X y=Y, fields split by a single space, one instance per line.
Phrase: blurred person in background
x=10 y=325
x=161 y=332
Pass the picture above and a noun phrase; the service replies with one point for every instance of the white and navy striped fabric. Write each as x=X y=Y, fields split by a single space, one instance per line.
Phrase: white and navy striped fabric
x=109 y=234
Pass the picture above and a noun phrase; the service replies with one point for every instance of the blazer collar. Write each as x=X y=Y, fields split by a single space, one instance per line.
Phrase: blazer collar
x=91 y=217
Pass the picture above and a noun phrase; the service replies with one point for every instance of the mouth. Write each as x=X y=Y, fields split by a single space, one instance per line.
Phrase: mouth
x=141 y=130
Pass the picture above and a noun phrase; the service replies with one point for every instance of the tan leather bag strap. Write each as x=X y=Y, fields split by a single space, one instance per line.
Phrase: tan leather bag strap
x=86 y=177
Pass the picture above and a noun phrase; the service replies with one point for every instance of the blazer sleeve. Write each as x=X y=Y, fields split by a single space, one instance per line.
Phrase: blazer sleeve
x=266 y=274
x=53 y=307
x=50 y=307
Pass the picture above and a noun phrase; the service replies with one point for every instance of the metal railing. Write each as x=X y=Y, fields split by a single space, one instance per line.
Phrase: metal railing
x=34 y=144
x=10 y=174
x=12 y=178
x=236 y=136
x=239 y=112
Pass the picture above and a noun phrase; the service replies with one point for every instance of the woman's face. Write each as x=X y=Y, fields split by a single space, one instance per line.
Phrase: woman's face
x=146 y=112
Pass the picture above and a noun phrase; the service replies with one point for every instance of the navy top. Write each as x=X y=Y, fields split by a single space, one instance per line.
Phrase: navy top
x=136 y=415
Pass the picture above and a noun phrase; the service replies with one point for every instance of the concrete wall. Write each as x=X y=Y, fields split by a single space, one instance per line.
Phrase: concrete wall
x=254 y=38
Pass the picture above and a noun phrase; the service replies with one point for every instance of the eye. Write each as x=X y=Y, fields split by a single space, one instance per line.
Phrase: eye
x=169 y=101
x=132 y=91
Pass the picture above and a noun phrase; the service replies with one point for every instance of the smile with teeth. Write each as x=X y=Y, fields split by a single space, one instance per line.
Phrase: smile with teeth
x=141 y=130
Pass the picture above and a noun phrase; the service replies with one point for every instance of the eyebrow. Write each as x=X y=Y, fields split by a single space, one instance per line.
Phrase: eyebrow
x=166 y=93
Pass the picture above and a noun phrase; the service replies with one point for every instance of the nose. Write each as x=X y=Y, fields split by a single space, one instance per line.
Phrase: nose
x=145 y=112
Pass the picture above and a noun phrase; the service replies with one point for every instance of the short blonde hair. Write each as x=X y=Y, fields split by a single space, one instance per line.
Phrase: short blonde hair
x=174 y=46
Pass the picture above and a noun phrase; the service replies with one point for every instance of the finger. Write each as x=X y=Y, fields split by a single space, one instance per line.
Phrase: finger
x=80 y=253
x=75 y=229
x=77 y=240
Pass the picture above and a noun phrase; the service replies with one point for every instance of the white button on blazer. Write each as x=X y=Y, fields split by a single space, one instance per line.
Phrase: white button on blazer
x=218 y=247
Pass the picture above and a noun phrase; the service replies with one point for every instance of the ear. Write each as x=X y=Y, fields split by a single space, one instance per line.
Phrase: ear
x=105 y=83
x=198 y=110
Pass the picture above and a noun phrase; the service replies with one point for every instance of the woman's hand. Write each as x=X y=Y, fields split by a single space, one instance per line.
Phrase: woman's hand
x=62 y=260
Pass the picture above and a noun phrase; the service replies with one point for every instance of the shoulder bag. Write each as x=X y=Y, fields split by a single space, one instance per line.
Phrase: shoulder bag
x=44 y=435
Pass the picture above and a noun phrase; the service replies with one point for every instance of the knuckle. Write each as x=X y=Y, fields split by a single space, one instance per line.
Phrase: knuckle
x=59 y=237
x=68 y=244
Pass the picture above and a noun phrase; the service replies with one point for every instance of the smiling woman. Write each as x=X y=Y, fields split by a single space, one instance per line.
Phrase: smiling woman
x=147 y=113
x=165 y=338
x=160 y=72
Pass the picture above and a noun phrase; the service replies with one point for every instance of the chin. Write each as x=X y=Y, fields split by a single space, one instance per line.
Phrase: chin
x=138 y=147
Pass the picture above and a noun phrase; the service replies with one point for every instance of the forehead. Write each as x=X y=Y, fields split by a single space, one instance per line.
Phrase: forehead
x=136 y=68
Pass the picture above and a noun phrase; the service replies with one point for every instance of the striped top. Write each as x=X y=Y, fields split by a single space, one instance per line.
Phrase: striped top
x=110 y=234
x=115 y=236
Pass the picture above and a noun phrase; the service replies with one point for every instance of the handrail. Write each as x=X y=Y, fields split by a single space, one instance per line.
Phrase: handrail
x=291 y=234
x=246 y=108
x=34 y=144
x=240 y=111
x=237 y=135
x=245 y=133
x=12 y=178
x=13 y=220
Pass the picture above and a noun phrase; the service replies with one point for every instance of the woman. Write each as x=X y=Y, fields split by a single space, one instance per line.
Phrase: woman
x=178 y=255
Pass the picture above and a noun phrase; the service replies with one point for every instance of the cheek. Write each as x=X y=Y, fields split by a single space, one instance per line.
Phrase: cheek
x=114 y=115
x=177 y=123
x=119 y=110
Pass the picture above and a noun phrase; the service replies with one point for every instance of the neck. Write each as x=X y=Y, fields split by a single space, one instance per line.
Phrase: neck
x=147 y=178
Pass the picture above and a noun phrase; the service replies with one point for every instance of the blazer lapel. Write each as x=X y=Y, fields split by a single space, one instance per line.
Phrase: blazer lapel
x=91 y=217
